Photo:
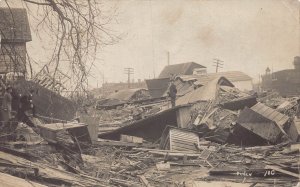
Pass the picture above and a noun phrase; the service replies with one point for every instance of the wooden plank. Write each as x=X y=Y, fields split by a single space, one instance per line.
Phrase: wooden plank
x=50 y=172
x=183 y=140
x=166 y=151
x=131 y=139
x=124 y=182
x=192 y=147
x=11 y=181
x=103 y=142
x=175 y=154
x=144 y=181
x=61 y=126
x=185 y=136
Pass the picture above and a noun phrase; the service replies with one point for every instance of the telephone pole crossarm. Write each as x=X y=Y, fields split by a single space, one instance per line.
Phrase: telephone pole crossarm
x=129 y=71
x=218 y=64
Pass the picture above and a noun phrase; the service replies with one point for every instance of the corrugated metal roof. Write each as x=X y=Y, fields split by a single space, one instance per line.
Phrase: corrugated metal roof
x=179 y=69
x=232 y=76
x=270 y=113
x=14 y=25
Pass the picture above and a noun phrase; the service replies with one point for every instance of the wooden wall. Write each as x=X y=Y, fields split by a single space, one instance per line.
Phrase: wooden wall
x=13 y=57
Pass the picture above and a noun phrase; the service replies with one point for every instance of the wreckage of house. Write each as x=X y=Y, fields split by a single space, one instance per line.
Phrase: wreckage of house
x=218 y=134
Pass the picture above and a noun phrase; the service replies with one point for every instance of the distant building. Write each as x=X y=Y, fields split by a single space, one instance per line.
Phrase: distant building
x=109 y=88
x=239 y=79
x=187 y=83
x=188 y=68
x=286 y=82
x=15 y=32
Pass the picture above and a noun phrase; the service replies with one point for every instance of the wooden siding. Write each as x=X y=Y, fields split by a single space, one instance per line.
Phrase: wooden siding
x=183 y=140
x=13 y=57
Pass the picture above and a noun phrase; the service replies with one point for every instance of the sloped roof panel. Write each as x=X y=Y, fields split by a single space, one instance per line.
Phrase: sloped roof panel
x=270 y=114
x=124 y=95
x=157 y=87
x=232 y=76
x=14 y=25
x=204 y=93
x=179 y=69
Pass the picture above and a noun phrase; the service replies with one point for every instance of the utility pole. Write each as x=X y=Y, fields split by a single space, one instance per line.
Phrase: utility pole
x=129 y=71
x=168 y=53
x=218 y=64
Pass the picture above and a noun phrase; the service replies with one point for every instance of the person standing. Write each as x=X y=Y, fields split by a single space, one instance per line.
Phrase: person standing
x=172 y=93
x=7 y=104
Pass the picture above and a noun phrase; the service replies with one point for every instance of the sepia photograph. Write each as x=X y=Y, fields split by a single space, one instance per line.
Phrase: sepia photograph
x=150 y=93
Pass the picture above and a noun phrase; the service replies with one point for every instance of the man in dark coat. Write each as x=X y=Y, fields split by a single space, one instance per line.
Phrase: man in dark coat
x=7 y=104
x=172 y=93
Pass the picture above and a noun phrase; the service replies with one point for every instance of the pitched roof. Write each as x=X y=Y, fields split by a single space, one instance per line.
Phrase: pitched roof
x=204 y=93
x=124 y=95
x=179 y=69
x=14 y=25
x=157 y=87
x=232 y=76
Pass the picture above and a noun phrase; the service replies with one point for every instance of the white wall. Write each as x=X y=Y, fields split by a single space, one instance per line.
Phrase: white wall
x=244 y=85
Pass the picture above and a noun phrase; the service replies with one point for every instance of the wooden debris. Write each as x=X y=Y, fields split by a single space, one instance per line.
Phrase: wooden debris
x=123 y=182
x=176 y=139
x=131 y=139
x=171 y=154
x=11 y=181
x=144 y=181
x=162 y=166
x=103 y=142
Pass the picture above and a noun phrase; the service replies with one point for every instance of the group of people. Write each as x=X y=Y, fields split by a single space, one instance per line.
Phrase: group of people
x=14 y=103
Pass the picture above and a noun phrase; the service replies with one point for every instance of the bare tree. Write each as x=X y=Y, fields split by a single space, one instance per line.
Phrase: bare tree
x=79 y=29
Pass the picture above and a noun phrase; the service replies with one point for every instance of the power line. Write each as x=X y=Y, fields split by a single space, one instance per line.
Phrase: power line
x=218 y=64
x=129 y=71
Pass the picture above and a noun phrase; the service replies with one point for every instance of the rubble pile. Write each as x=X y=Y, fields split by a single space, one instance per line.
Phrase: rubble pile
x=234 y=139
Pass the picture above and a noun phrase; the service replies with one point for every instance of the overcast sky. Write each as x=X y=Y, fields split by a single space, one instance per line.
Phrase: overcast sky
x=248 y=35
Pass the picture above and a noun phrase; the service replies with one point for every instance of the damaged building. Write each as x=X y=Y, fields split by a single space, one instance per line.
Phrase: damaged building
x=15 y=33
x=286 y=82
x=218 y=134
